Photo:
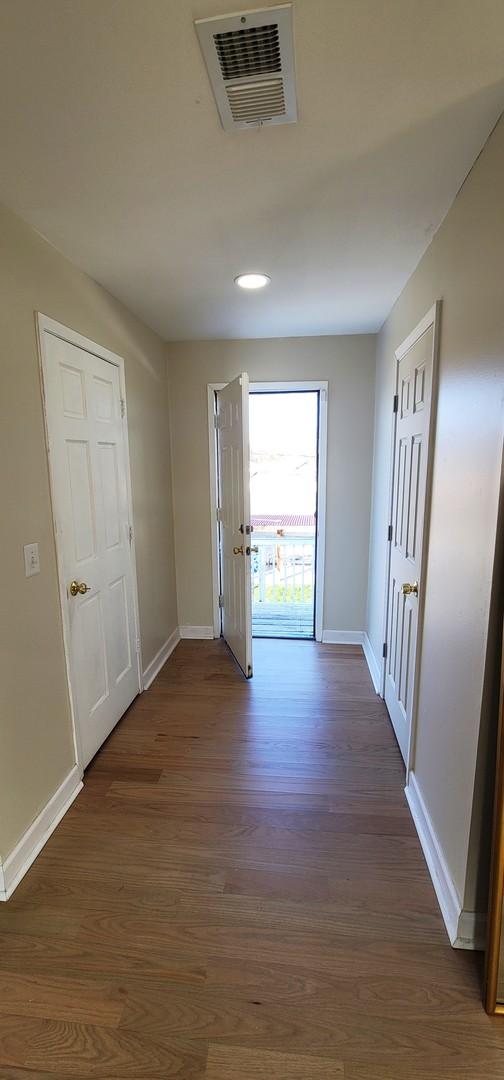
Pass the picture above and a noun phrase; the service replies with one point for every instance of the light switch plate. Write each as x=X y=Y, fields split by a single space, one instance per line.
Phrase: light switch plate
x=31 y=559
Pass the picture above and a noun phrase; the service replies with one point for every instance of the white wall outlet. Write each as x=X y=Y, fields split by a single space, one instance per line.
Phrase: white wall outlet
x=31 y=560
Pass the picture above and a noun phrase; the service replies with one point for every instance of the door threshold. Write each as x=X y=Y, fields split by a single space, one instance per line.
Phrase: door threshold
x=283 y=637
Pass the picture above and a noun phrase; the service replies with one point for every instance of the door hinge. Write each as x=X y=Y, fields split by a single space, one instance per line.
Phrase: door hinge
x=396 y=403
x=123 y=408
x=389 y=532
x=138 y=644
x=384 y=650
x=221 y=600
x=130 y=533
x=219 y=513
x=249 y=671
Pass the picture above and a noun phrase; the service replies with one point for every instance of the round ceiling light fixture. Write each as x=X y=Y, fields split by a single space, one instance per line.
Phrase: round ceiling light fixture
x=252 y=281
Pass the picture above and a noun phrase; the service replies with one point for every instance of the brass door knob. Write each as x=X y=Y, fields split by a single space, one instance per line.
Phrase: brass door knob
x=77 y=587
x=238 y=550
x=406 y=589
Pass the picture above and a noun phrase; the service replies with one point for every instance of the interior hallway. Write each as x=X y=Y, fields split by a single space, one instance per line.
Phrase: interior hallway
x=239 y=894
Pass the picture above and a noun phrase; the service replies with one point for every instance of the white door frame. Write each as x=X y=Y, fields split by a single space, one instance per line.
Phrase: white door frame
x=432 y=318
x=45 y=325
x=320 y=385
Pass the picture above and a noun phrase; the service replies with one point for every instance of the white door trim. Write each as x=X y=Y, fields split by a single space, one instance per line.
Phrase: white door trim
x=432 y=318
x=320 y=385
x=214 y=524
x=45 y=325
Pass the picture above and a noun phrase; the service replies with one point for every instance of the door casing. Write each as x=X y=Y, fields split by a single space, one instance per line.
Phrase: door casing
x=45 y=325
x=432 y=318
x=273 y=387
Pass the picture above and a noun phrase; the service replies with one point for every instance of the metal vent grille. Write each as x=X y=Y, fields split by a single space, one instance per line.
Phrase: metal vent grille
x=250 y=61
x=257 y=101
x=252 y=51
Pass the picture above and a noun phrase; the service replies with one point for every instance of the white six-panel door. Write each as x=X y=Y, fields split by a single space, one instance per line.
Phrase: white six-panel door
x=89 y=481
x=234 y=496
x=415 y=373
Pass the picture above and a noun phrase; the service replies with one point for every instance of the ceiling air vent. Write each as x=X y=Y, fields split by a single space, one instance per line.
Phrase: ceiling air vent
x=250 y=61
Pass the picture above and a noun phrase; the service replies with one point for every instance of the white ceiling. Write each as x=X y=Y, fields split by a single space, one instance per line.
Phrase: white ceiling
x=112 y=148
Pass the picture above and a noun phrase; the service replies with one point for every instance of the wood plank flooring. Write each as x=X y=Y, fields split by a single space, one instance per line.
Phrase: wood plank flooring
x=239 y=894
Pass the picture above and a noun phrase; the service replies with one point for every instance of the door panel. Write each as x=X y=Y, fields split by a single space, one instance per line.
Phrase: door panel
x=408 y=509
x=107 y=466
x=82 y=522
x=89 y=479
x=120 y=659
x=89 y=637
x=234 y=487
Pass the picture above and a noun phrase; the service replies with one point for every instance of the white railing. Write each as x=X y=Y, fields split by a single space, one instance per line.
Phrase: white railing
x=283 y=569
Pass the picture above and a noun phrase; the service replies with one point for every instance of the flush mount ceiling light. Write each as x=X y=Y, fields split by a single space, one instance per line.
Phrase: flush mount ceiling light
x=252 y=281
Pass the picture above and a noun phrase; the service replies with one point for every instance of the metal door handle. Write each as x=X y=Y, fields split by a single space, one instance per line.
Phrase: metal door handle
x=77 y=587
x=406 y=589
x=251 y=549
x=238 y=550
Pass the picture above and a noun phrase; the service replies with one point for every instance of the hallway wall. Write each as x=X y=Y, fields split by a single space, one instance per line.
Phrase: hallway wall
x=36 y=744
x=464 y=266
x=348 y=364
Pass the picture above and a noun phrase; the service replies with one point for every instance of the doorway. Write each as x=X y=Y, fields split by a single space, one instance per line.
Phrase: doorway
x=86 y=428
x=283 y=432
x=276 y=574
x=410 y=486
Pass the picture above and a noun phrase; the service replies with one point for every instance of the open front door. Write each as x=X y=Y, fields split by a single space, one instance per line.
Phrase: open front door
x=235 y=532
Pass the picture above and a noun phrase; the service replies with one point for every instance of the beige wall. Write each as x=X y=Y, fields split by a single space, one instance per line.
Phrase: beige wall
x=348 y=364
x=464 y=266
x=36 y=748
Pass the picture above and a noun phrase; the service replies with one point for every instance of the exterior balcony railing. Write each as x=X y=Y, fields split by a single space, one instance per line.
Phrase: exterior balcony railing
x=283 y=576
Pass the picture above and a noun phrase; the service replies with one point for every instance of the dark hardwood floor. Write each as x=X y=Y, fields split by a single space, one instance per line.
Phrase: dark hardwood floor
x=239 y=894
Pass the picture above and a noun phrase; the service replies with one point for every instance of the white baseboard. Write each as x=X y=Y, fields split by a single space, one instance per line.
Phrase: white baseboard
x=160 y=658
x=19 y=861
x=203 y=632
x=447 y=895
x=372 y=663
x=343 y=637
x=465 y=929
